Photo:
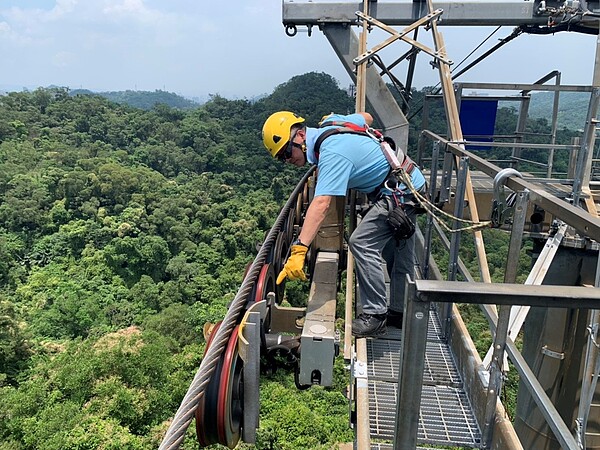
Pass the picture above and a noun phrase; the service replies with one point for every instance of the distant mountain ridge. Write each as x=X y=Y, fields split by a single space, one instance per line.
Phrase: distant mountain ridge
x=572 y=108
x=143 y=99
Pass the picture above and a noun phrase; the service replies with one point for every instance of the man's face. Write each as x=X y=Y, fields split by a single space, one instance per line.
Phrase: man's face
x=297 y=156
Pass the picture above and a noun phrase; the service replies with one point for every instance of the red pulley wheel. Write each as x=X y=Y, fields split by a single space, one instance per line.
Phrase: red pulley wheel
x=265 y=284
x=220 y=411
x=206 y=424
x=230 y=400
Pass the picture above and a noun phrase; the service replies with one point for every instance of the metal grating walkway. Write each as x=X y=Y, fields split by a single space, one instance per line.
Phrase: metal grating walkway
x=384 y=358
x=445 y=418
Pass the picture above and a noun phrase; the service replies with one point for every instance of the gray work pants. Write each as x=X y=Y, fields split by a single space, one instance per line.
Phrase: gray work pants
x=371 y=241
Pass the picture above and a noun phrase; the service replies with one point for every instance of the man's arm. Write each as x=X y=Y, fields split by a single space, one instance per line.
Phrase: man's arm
x=317 y=210
x=294 y=266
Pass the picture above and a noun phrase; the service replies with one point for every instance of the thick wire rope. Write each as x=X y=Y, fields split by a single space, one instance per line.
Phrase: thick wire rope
x=176 y=431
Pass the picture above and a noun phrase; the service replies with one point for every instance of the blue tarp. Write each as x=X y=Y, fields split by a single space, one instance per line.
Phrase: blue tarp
x=478 y=118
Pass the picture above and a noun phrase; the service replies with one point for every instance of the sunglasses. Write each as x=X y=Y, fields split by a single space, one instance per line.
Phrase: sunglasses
x=286 y=153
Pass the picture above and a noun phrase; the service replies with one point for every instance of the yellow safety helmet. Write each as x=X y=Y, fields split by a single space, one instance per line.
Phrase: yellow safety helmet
x=277 y=130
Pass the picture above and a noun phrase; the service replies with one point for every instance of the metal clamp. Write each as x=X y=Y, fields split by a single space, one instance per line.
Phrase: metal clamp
x=502 y=206
x=552 y=354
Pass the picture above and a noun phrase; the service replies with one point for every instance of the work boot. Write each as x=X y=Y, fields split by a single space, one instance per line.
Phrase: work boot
x=367 y=325
x=394 y=318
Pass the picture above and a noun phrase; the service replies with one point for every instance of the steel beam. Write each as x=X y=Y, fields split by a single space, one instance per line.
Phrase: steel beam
x=319 y=337
x=410 y=375
x=474 y=13
x=508 y=294
x=526 y=87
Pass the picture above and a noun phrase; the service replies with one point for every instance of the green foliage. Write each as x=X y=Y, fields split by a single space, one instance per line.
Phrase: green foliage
x=304 y=94
x=177 y=322
x=316 y=418
x=14 y=349
x=572 y=108
x=123 y=232
x=117 y=388
x=159 y=100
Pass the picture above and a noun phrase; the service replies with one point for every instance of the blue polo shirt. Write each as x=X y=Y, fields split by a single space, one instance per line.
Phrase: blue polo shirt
x=350 y=161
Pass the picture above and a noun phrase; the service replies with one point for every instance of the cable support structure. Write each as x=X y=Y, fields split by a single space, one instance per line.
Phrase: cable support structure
x=431 y=209
x=184 y=415
x=515 y=33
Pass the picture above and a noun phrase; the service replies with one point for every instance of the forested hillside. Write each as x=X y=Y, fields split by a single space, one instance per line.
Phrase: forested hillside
x=122 y=232
x=142 y=99
x=572 y=108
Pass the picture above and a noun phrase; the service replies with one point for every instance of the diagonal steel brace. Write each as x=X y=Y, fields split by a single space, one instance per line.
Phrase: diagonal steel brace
x=400 y=35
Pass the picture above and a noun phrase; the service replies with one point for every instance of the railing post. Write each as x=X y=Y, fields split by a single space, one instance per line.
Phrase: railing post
x=510 y=274
x=459 y=205
x=584 y=156
x=412 y=364
x=591 y=370
x=446 y=175
x=435 y=155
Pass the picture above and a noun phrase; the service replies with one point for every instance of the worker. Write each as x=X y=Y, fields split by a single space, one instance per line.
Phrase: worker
x=350 y=161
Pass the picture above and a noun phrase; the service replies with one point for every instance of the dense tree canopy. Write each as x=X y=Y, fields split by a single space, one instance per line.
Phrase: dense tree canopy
x=123 y=231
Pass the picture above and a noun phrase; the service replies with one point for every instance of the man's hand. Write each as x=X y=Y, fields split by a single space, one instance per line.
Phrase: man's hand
x=294 y=266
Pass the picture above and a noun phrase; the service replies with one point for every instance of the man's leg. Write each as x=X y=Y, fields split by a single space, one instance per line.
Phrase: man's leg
x=400 y=260
x=366 y=244
x=400 y=263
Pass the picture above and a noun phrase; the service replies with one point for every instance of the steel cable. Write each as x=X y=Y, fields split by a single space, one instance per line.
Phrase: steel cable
x=431 y=209
x=183 y=417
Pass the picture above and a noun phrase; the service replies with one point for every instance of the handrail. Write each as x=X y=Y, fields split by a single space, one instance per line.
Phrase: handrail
x=510 y=294
x=576 y=217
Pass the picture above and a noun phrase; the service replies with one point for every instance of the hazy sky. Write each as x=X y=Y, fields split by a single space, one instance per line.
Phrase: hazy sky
x=235 y=48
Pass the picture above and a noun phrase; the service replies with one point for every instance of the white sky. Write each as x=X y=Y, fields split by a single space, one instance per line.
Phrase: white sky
x=235 y=48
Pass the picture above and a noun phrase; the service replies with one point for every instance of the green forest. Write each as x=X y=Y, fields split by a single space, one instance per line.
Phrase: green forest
x=122 y=232
x=142 y=99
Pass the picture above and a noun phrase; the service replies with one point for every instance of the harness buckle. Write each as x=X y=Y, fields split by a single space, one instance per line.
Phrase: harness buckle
x=373 y=133
x=391 y=183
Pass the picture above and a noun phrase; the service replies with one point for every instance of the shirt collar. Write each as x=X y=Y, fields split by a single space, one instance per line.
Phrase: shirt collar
x=311 y=138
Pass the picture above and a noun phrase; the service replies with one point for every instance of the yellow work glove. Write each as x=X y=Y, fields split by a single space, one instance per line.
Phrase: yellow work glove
x=294 y=266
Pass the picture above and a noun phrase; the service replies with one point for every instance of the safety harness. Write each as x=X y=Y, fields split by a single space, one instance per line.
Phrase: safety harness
x=390 y=182
x=407 y=164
